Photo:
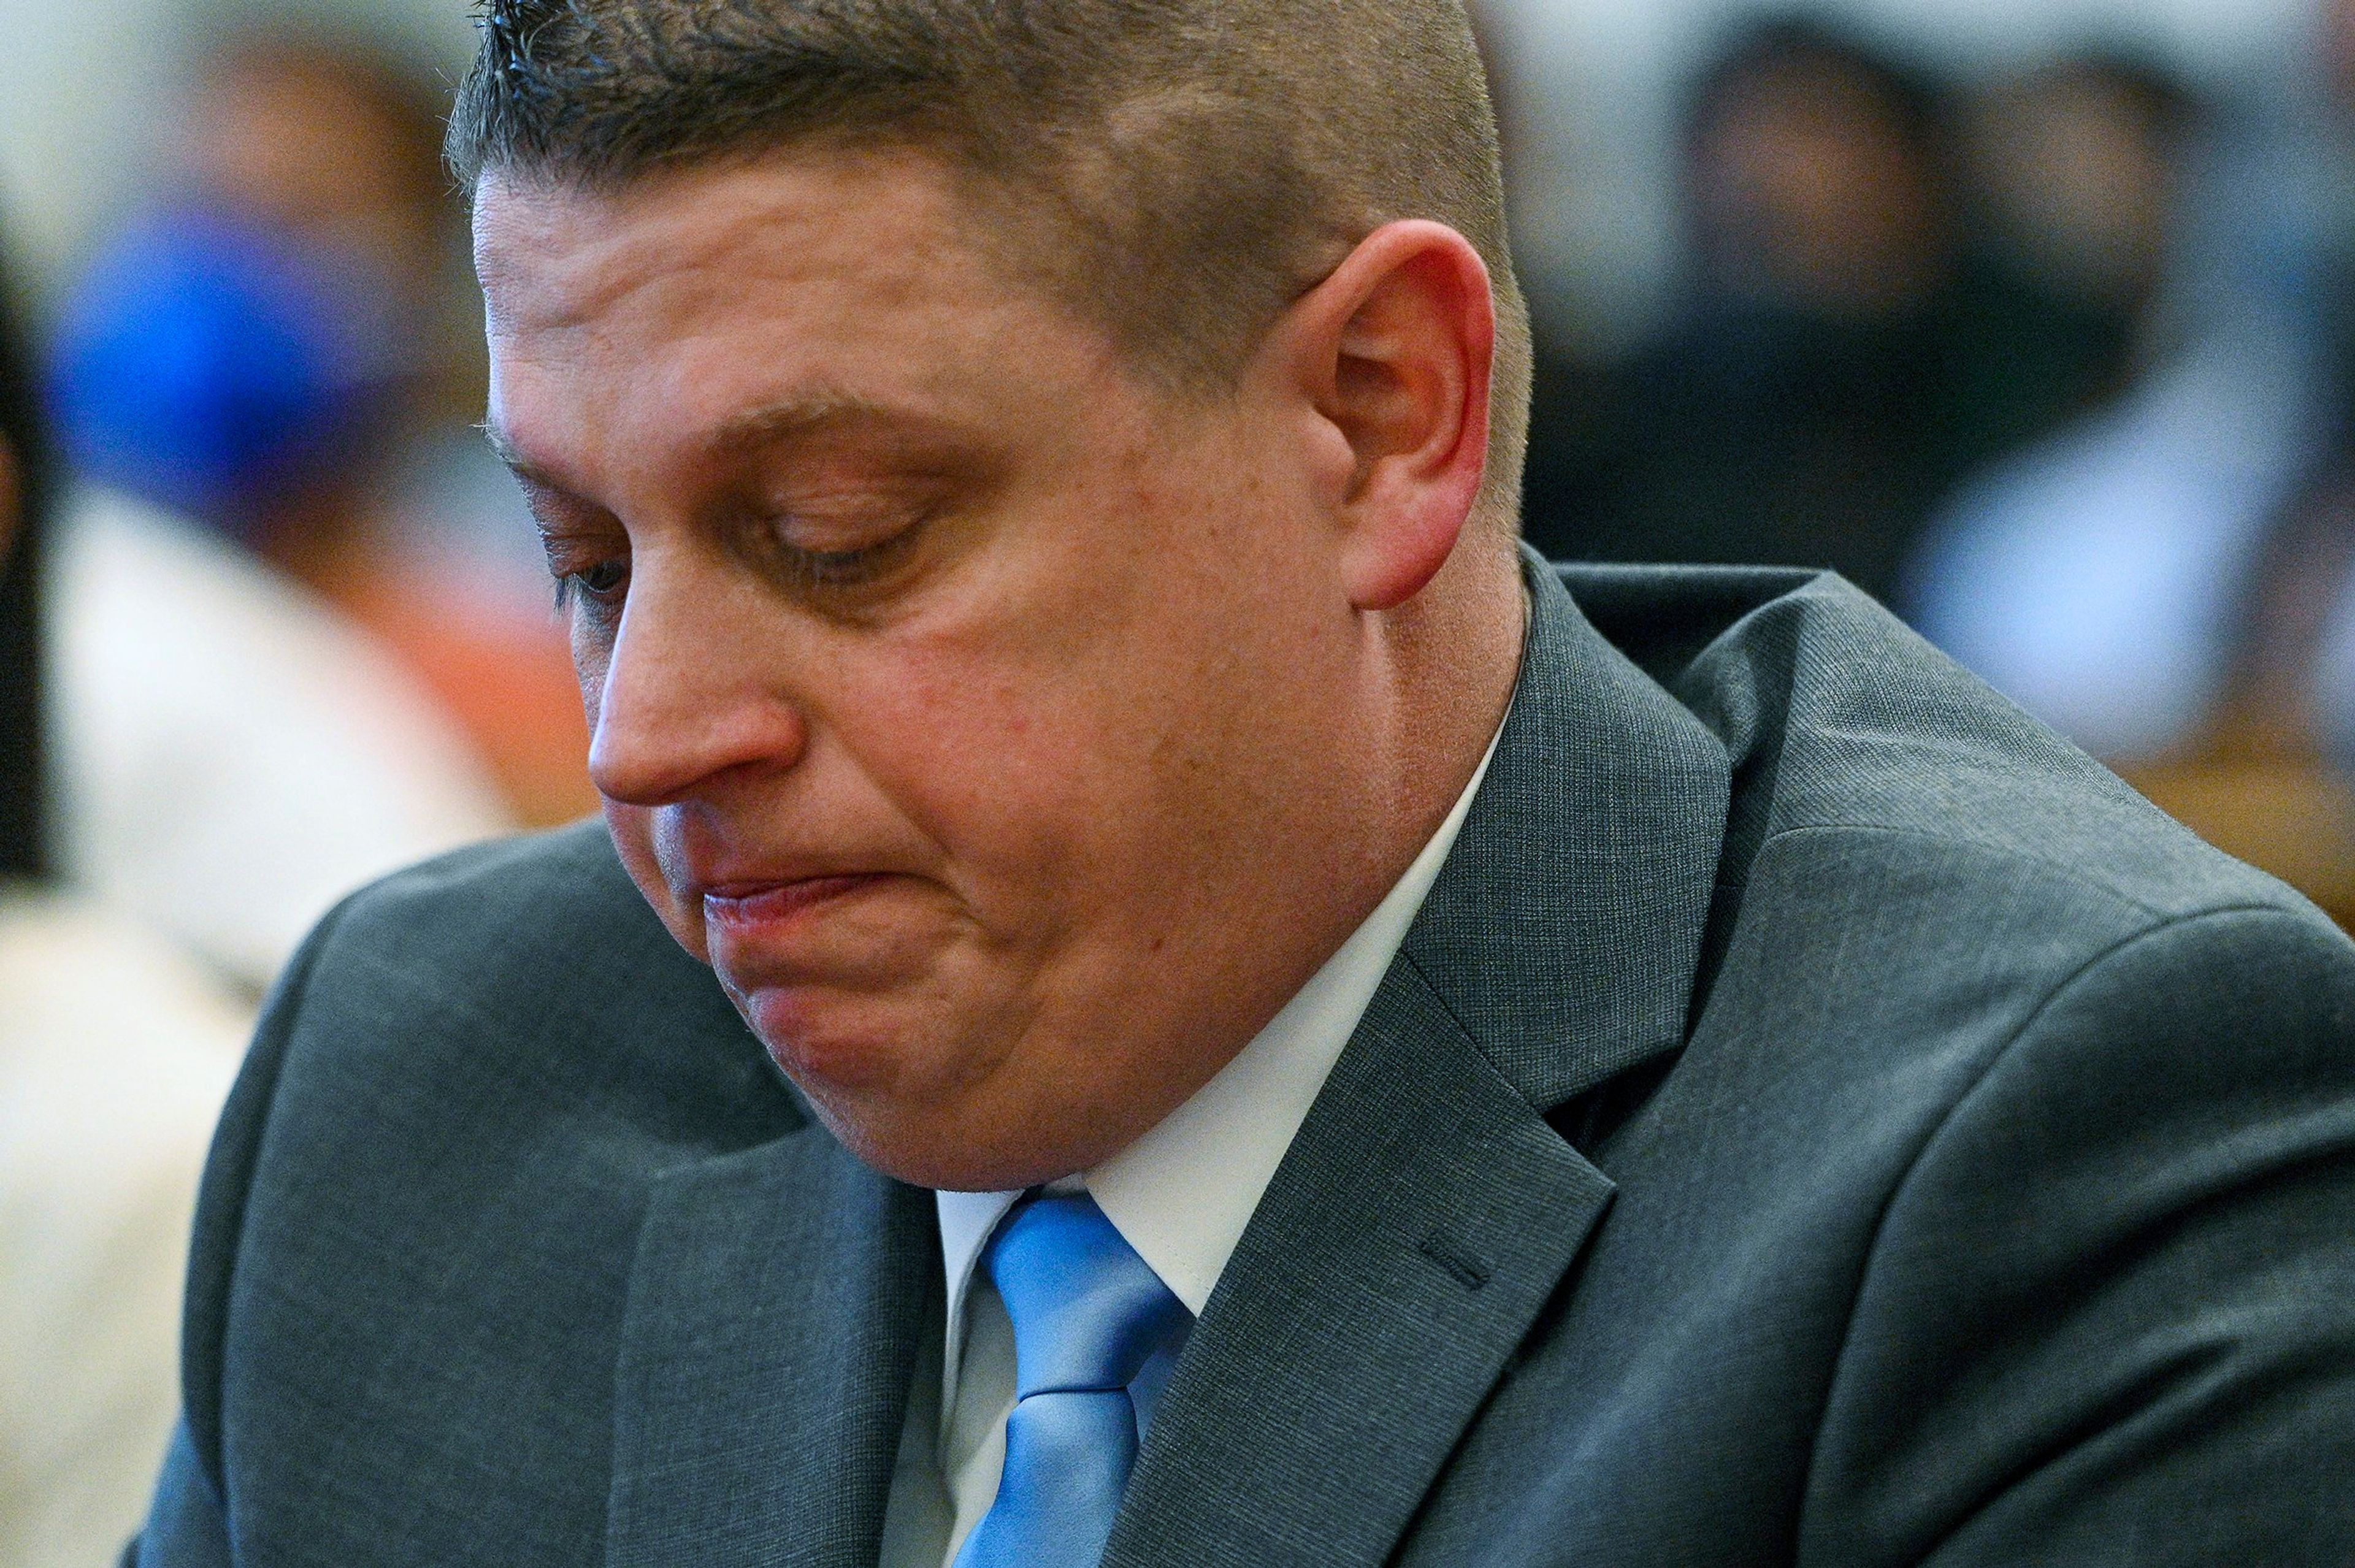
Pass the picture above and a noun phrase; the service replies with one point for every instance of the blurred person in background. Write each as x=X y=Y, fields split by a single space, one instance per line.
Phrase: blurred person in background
x=1841 y=355
x=2161 y=578
x=2264 y=775
x=226 y=756
x=2090 y=576
x=2268 y=771
x=272 y=349
x=115 y=1053
x=2074 y=174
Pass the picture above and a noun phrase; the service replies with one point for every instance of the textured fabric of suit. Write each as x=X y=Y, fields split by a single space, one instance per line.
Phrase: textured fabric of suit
x=1817 y=1117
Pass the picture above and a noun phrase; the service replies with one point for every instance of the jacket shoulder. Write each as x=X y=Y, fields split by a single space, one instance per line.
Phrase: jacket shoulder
x=539 y=955
x=419 y=1221
x=538 y=894
x=2172 y=1126
x=1840 y=721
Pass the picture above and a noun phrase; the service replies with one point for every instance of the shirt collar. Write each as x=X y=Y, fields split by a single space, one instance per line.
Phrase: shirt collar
x=1182 y=1194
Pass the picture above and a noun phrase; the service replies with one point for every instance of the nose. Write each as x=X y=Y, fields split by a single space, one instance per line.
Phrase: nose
x=687 y=695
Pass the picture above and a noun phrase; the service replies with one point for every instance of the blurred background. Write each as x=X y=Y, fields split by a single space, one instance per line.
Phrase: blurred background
x=2034 y=317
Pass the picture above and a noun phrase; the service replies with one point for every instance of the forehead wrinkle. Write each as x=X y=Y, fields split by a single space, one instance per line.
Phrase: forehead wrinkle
x=556 y=265
x=661 y=271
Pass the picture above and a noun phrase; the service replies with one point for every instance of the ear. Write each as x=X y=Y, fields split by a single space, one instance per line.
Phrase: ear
x=1394 y=352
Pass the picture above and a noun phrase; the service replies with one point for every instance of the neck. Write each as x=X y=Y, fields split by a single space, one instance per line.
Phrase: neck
x=1454 y=652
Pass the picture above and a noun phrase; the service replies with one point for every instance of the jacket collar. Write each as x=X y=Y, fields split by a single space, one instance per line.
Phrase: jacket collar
x=1566 y=932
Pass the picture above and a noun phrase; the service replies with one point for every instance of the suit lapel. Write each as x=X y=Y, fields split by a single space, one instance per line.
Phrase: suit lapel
x=776 y=1315
x=1566 y=929
x=1427 y=1211
x=1423 y=1218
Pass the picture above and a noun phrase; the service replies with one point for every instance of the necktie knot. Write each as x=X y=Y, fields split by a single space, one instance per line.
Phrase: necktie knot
x=1088 y=1313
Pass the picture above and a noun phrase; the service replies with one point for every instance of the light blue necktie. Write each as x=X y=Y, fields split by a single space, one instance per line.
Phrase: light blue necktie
x=1088 y=1314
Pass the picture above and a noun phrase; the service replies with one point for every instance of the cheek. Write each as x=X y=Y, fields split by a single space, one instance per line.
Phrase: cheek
x=1054 y=789
x=992 y=774
x=590 y=658
x=632 y=829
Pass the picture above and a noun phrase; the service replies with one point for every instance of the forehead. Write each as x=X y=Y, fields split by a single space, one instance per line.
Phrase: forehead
x=867 y=275
x=553 y=258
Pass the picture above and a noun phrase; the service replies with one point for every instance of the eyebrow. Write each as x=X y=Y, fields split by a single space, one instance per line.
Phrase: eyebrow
x=763 y=426
x=506 y=450
x=802 y=416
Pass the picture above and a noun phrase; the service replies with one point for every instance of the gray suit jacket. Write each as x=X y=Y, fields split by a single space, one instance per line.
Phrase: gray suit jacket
x=1817 y=1117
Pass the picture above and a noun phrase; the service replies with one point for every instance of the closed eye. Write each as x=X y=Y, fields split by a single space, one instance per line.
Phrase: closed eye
x=821 y=569
x=602 y=583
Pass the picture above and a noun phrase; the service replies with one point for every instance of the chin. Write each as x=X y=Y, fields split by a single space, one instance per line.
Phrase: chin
x=927 y=1148
x=930 y=1114
x=869 y=1060
x=832 y=1054
x=923 y=1144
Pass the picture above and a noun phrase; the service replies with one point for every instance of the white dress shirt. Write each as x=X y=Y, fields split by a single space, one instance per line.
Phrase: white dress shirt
x=1181 y=1195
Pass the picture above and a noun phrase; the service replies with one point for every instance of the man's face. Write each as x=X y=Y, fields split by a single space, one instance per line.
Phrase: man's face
x=986 y=719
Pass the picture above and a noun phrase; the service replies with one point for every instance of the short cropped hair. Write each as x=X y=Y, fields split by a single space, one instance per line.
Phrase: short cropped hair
x=1201 y=163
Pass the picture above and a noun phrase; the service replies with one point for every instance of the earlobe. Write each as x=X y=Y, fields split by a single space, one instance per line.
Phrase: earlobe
x=1403 y=337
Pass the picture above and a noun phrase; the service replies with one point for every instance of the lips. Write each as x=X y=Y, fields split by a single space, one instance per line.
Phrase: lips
x=749 y=906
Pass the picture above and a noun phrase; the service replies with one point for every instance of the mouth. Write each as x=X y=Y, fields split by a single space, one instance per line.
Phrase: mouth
x=745 y=908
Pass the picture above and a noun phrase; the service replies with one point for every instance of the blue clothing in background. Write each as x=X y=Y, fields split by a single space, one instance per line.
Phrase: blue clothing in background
x=208 y=364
